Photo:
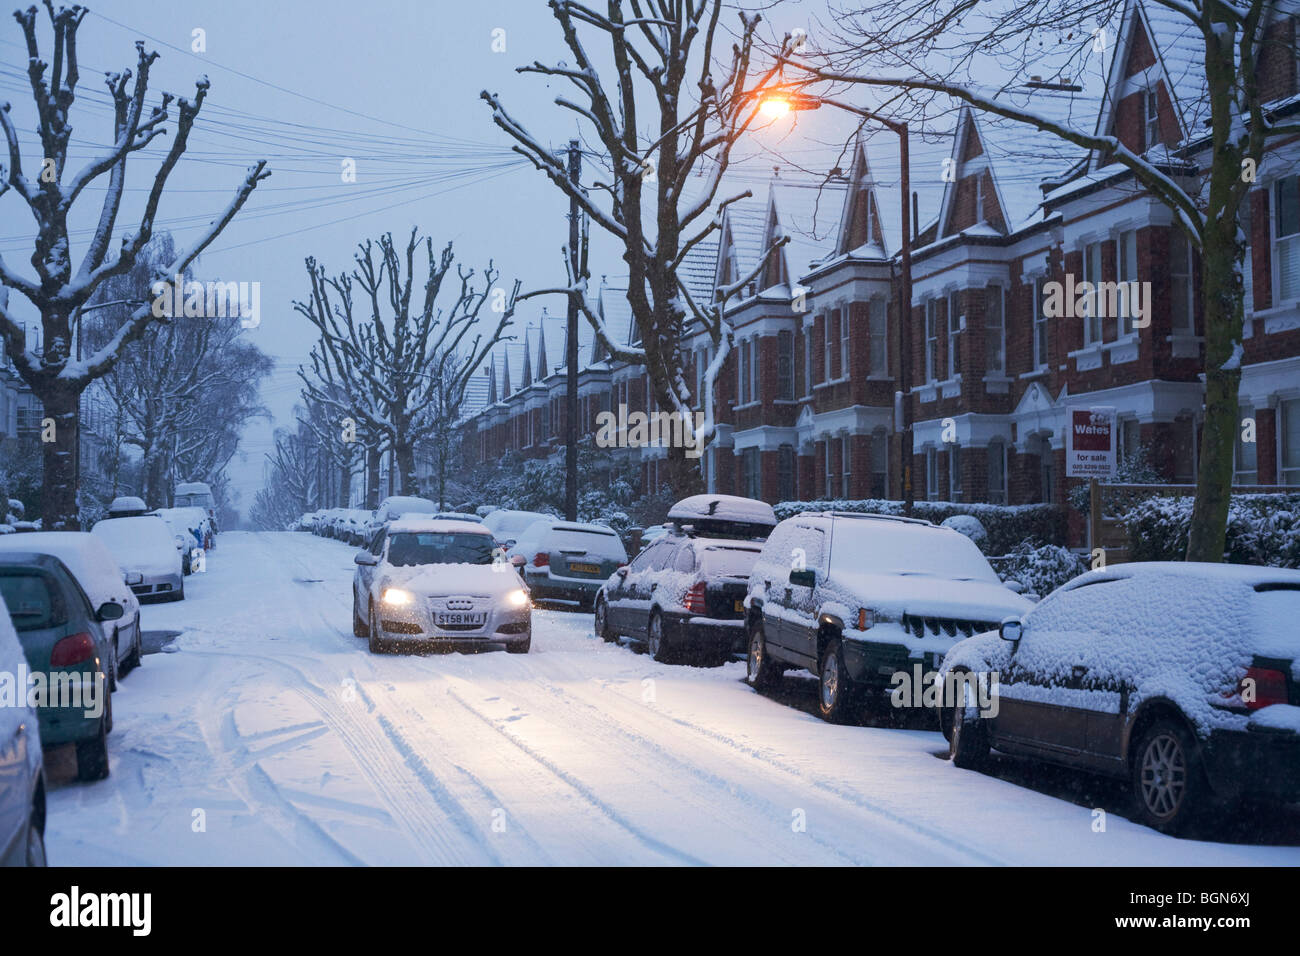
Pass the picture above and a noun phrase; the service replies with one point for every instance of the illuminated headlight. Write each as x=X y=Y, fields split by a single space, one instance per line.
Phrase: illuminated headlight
x=517 y=598
x=397 y=597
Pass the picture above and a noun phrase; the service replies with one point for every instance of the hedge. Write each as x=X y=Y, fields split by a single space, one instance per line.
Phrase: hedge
x=1262 y=529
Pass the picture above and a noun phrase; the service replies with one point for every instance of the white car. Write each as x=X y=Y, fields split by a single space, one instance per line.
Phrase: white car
x=101 y=577
x=423 y=582
x=144 y=545
x=506 y=525
x=22 y=766
x=394 y=507
x=859 y=599
x=568 y=560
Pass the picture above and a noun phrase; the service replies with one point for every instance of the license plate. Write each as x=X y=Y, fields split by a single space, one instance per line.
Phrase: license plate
x=740 y=606
x=446 y=618
x=585 y=568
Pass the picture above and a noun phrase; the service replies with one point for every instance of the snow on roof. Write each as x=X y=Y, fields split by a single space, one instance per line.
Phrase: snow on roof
x=615 y=310
x=744 y=225
x=810 y=215
x=1180 y=46
x=86 y=556
x=416 y=524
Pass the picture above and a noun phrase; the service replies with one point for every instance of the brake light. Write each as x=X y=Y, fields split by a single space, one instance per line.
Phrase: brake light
x=1262 y=687
x=695 y=599
x=541 y=559
x=72 y=650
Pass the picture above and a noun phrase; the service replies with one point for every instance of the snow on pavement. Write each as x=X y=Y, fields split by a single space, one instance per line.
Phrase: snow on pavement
x=273 y=736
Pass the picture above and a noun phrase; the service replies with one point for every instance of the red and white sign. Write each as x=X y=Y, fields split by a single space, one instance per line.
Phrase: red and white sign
x=1090 y=443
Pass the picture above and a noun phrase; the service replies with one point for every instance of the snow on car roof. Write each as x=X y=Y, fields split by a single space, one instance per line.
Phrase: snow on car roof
x=86 y=556
x=1244 y=573
x=416 y=525
x=723 y=508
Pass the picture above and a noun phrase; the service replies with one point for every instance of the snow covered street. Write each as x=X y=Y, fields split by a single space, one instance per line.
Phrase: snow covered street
x=270 y=735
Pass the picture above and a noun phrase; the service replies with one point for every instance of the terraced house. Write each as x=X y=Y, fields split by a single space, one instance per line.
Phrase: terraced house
x=809 y=405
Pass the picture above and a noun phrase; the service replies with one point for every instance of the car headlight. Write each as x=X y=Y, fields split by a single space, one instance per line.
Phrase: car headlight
x=518 y=597
x=397 y=597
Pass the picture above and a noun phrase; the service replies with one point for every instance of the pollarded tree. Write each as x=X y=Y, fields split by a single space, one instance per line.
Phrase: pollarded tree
x=671 y=111
x=981 y=57
x=378 y=360
x=62 y=287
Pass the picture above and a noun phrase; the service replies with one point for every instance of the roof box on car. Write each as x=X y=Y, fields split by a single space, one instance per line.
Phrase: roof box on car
x=724 y=516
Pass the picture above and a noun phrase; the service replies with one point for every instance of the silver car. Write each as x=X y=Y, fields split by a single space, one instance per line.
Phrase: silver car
x=425 y=582
x=22 y=769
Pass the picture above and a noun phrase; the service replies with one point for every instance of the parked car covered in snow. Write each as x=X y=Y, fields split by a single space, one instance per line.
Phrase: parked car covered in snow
x=127 y=506
x=568 y=560
x=506 y=525
x=858 y=598
x=423 y=582
x=22 y=767
x=191 y=530
x=683 y=596
x=1183 y=678
x=62 y=641
x=144 y=545
x=394 y=507
x=103 y=580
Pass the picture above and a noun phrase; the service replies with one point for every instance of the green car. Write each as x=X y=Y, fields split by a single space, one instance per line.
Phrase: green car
x=67 y=652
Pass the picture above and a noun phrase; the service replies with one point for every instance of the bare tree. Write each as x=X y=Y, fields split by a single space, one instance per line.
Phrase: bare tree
x=937 y=46
x=57 y=292
x=650 y=203
x=377 y=360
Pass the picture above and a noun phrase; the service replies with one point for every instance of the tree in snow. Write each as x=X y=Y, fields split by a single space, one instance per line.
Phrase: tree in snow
x=61 y=287
x=186 y=389
x=379 y=361
x=937 y=46
x=664 y=149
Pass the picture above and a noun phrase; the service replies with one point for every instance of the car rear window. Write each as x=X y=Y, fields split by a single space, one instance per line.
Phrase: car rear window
x=408 y=549
x=601 y=543
x=1276 y=610
x=32 y=601
x=729 y=562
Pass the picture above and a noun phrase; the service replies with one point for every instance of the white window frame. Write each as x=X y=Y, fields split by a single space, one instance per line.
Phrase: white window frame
x=880 y=456
x=931 y=474
x=846 y=467
x=997 y=494
x=1126 y=271
x=954 y=472
x=753 y=369
x=844 y=342
x=1092 y=273
x=827 y=349
x=996 y=293
x=878 y=337
x=1287 y=474
x=808 y=360
x=955 y=323
x=829 y=477
x=1151 y=116
x=931 y=339
x=1244 y=476
x=1181 y=274
x=1282 y=244
x=1041 y=328
x=741 y=379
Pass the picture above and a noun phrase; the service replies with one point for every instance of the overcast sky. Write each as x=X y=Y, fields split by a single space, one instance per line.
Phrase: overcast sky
x=394 y=85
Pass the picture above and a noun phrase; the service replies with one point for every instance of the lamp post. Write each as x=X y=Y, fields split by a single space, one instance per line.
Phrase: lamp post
x=776 y=104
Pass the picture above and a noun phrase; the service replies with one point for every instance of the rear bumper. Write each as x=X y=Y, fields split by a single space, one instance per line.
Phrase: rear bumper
x=565 y=589
x=704 y=633
x=66 y=719
x=1262 y=763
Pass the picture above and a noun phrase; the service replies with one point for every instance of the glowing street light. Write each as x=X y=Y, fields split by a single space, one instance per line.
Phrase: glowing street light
x=774 y=107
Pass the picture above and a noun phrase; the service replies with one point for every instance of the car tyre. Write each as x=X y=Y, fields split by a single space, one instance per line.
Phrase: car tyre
x=92 y=754
x=359 y=627
x=835 y=690
x=136 y=657
x=520 y=647
x=376 y=642
x=968 y=740
x=1169 y=784
x=35 y=844
x=761 y=671
x=114 y=665
x=656 y=644
x=602 y=622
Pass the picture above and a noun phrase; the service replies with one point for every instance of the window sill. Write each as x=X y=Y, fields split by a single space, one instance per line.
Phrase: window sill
x=880 y=378
x=1040 y=372
x=741 y=408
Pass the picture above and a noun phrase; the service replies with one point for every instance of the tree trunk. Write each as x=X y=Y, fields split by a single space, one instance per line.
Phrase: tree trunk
x=684 y=476
x=59 y=492
x=1222 y=301
x=345 y=485
x=404 y=462
x=372 y=478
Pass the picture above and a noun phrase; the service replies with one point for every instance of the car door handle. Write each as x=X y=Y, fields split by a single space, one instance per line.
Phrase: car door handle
x=1078 y=670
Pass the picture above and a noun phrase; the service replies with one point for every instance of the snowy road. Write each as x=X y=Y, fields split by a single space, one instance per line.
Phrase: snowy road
x=271 y=735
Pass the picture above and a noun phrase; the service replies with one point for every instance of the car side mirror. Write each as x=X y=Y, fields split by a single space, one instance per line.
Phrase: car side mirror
x=366 y=558
x=1011 y=629
x=1012 y=585
x=110 y=611
x=517 y=560
x=133 y=578
x=621 y=571
x=803 y=577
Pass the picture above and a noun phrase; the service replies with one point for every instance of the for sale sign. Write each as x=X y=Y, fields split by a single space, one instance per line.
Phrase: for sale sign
x=1090 y=443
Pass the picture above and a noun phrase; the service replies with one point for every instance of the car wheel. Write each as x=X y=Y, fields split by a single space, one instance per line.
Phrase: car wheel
x=760 y=670
x=35 y=844
x=136 y=657
x=602 y=622
x=968 y=737
x=376 y=642
x=520 y=647
x=834 y=687
x=1169 y=786
x=114 y=665
x=92 y=754
x=359 y=626
x=108 y=714
x=656 y=644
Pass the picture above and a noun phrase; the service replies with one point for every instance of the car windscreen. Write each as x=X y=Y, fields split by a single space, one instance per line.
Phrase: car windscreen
x=600 y=543
x=870 y=547
x=410 y=548
x=32 y=600
x=729 y=562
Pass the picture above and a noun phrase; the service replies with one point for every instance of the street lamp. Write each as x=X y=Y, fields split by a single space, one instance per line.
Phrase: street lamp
x=777 y=103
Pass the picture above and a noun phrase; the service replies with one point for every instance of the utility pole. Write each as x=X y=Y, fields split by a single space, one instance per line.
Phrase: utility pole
x=571 y=350
x=905 y=324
